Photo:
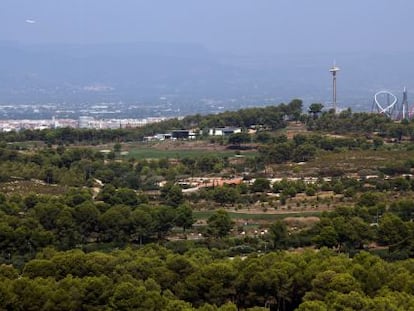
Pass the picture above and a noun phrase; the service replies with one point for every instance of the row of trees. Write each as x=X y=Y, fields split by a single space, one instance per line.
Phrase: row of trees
x=350 y=230
x=348 y=122
x=122 y=216
x=33 y=222
x=117 y=217
x=303 y=147
x=153 y=278
x=369 y=191
x=271 y=117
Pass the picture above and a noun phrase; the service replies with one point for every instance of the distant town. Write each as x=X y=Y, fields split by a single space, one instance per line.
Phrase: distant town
x=82 y=122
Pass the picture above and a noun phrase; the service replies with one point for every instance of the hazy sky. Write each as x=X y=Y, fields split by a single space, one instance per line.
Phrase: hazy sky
x=263 y=26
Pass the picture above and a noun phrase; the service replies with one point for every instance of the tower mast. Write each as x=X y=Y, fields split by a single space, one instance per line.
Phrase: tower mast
x=334 y=70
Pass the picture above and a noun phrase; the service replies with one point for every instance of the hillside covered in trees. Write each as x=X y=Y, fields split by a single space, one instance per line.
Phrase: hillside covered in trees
x=155 y=278
x=298 y=211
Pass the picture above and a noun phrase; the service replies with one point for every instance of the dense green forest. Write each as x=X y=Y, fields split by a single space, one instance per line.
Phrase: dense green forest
x=299 y=211
x=155 y=278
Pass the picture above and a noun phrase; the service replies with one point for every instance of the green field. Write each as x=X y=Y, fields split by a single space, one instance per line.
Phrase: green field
x=262 y=216
x=151 y=153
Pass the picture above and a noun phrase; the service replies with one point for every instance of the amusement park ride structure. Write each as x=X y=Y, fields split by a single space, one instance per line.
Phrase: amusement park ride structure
x=386 y=103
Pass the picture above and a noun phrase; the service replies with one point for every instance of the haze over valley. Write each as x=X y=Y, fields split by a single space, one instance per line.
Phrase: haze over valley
x=174 y=79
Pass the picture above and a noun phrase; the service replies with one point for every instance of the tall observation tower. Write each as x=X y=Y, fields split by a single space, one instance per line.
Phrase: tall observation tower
x=334 y=70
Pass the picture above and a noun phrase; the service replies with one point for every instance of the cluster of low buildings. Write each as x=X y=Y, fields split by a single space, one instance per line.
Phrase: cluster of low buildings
x=18 y=125
x=83 y=122
x=92 y=123
x=192 y=134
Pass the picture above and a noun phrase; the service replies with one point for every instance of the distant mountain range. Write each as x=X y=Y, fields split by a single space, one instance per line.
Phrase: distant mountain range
x=68 y=72
x=146 y=72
